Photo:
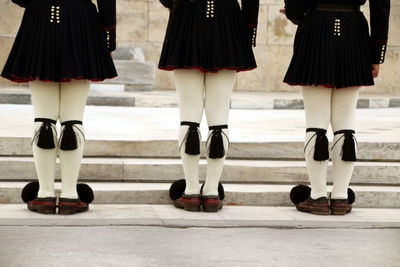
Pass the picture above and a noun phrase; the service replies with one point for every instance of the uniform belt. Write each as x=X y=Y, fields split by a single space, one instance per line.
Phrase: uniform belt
x=337 y=7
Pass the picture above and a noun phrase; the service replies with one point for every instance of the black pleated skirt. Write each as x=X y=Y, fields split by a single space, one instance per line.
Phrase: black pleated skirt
x=212 y=43
x=331 y=49
x=59 y=46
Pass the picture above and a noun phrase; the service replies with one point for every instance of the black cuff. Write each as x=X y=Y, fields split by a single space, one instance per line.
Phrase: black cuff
x=110 y=36
x=252 y=34
x=378 y=51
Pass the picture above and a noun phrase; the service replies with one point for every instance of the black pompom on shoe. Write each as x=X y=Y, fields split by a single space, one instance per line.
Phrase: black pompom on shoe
x=300 y=193
x=221 y=191
x=177 y=189
x=85 y=193
x=351 y=196
x=30 y=191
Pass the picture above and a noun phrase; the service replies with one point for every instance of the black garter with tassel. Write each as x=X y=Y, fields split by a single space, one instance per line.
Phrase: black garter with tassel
x=192 y=138
x=217 y=149
x=321 y=150
x=349 y=145
x=45 y=137
x=68 y=137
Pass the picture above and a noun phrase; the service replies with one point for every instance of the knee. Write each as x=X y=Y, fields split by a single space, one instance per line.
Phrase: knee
x=45 y=134
x=217 y=141
x=349 y=148
x=321 y=147
x=190 y=137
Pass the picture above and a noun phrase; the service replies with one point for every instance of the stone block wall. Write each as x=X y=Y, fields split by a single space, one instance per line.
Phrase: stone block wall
x=142 y=23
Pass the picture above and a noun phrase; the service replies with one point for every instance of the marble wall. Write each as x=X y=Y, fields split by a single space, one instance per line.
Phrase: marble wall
x=142 y=23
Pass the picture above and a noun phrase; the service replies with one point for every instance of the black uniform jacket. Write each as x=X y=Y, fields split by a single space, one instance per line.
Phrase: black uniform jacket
x=379 y=20
x=249 y=10
x=108 y=18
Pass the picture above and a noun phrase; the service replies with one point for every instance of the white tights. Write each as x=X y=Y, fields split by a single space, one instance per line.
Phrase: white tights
x=198 y=91
x=337 y=106
x=64 y=101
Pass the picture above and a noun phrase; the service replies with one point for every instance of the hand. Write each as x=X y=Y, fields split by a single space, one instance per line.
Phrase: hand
x=283 y=10
x=375 y=70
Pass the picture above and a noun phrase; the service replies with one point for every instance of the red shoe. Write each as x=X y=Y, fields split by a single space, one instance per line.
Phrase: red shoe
x=211 y=203
x=67 y=206
x=318 y=206
x=45 y=205
x=340 y=206
x=188 y=202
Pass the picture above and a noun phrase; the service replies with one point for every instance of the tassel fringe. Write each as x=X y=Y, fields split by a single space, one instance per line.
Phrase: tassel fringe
x=44 y=135
x=349 y=145
x=217 y=149
x=192 y=138
x=321 y=150
x=69 y=137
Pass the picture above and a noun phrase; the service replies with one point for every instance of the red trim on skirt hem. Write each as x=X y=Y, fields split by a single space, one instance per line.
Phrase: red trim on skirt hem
x=326 y=85
x=17 y=79
x=213 y=70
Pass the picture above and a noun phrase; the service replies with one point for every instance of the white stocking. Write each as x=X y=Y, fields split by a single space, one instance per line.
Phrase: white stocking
x=344 y=104
x=73 y=97
x=317 y=104
x=190 y=87
x=45 y=99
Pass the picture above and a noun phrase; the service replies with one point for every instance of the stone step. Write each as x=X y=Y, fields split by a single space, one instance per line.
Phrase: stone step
x=229 y=216
x=236 y=194
x=289 y=150
x=106 y=95
x=168 y=170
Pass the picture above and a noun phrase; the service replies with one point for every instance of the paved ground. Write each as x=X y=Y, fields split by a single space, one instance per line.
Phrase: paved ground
x=126 y=123
x=155 y=246
x=229 y=216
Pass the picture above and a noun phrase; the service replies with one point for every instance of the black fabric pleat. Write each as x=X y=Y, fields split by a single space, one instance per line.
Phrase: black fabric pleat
x=349 y=145
x=68 y=136
x=44 y=136
x=75 y=48
x=217 y=149
x=321 y=149
x=192 y=146
x=208 y=44
x=321 y=58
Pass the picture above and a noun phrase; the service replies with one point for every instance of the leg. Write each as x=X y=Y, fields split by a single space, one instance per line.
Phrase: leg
x=45 y=99
x=218 y=95
x=190 y=89
x=344 y=104
x=317 y=103
x=72 y=106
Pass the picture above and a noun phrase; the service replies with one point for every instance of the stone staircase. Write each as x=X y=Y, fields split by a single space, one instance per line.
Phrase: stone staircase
x=256 y=173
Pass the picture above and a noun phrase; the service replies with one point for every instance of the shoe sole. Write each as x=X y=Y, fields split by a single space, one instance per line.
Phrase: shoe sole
x=315 y=212
x=212 y=207
x=336 y=211
x=66 y=210
x=188 y=206
x=43 y=209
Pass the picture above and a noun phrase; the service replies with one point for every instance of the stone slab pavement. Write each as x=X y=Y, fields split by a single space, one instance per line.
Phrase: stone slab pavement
x=130 y=123
x=201 y=247
x=229 y=216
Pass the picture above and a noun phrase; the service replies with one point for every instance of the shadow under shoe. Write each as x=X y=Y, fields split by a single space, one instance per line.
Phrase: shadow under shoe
x=211 y=203
x=188 y=202
x=68 y=206
x=340 y=206
x=319 y=206
x=46 y=205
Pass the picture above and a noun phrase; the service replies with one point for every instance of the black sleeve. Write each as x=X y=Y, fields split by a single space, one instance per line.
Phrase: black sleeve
x=108 y=18
x=295 y=10
x=379 y=12
x=250 y=14
x=21 y=3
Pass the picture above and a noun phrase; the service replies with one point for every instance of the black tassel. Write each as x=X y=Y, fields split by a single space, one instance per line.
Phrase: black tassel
x=349 y=146
x=68 y=138
x=46 y=137
x=321 y=150
x=217 y=149
x=192 y=146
